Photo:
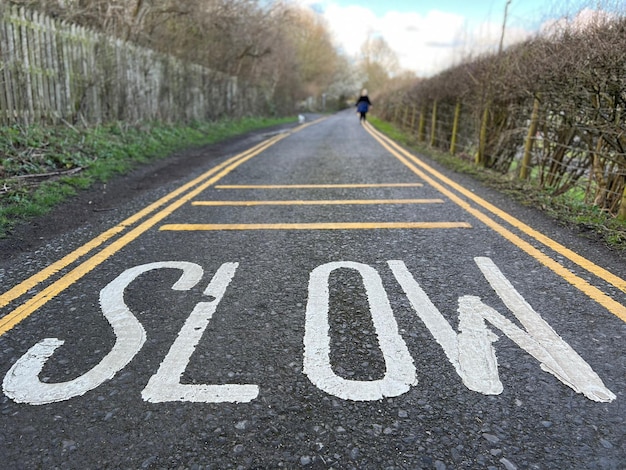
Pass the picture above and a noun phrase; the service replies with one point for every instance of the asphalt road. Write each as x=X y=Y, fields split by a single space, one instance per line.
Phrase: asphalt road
x=323 y=299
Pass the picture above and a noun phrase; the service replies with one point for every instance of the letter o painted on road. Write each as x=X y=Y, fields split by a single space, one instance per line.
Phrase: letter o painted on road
x=400 y=371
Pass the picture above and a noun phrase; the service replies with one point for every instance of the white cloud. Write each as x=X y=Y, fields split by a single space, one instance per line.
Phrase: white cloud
x=584 y=19
x=350 y=26
x=421 y=42
x=425 y=44
x=429 y=43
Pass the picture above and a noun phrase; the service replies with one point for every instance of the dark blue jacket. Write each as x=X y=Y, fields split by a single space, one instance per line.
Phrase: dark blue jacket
x=363 y=104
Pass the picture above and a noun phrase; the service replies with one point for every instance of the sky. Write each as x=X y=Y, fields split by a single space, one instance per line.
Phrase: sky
x=431 y=35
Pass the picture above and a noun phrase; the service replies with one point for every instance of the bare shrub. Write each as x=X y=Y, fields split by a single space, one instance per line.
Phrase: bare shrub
x=575 y=73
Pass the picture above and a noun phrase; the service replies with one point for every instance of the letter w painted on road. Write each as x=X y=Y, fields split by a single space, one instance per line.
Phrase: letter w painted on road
x=471 y=351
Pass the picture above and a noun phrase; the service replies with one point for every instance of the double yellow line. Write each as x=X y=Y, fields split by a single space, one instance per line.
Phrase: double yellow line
x=442 y=183
x=185 y=193
x=179 y=197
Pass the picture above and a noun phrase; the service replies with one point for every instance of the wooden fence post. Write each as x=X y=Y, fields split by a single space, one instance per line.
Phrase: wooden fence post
x=421 y=131
x=621 y=214
x=26 y=68
x=482 y=143
x=530 y=140
x=433 y=125
x=5 y=98
x=396 y=110
x=455 y=126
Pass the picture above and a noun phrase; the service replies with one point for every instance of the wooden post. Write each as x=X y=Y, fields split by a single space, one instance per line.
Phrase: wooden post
x=621 y=214
x=5 y=60
x=601 y=181
x=433 y=125
x=530 y=140
x=49 y=71
x=480 y=156
x=455 y=126
x=37 y=69
x=16 y=72
x=28 y=108
x=421 y=131
x=64 y=74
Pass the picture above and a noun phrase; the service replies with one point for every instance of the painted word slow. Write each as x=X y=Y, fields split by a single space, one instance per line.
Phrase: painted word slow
x=470 y=351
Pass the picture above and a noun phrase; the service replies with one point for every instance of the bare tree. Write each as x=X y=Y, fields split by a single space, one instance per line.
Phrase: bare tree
x=378 y=63
x=317 y=58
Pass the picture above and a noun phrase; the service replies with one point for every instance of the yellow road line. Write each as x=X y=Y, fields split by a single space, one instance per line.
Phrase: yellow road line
x=317 y=226
x=317 y=186
x=27 y=308
x=591 y=291
x=319 y=202
x=41 y=276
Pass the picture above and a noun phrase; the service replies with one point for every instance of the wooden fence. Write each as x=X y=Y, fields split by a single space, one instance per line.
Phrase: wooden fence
x=52 y=71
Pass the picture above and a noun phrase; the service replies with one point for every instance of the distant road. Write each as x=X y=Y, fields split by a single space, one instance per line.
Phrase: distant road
x=324 y=299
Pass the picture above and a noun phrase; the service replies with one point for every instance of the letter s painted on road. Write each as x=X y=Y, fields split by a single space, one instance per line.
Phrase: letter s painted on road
x=22 y=383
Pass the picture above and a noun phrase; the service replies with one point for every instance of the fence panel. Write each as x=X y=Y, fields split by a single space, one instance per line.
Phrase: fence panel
x=52 y=71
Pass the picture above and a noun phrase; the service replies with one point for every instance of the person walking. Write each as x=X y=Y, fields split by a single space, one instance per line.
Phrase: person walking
x=363 y=105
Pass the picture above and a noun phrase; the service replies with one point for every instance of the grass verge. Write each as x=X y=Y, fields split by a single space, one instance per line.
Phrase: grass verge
x=42 y=166
x=566 y=208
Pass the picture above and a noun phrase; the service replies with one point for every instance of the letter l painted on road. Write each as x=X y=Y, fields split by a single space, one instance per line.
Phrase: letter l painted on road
x=165 y=384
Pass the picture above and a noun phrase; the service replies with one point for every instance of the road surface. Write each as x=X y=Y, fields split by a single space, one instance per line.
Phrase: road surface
x=323 y=299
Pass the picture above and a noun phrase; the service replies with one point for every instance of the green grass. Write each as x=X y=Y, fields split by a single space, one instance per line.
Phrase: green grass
x=569 y=208
x=68 y=159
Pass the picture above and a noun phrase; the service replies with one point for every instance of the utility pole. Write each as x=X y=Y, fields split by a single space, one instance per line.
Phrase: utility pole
x=481 y=158
x=506 y=11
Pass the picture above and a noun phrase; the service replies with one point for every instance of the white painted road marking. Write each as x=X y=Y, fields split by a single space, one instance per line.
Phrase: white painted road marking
x=470 y=352
x=542 y=342
x=22 y=384
x=400 y=371
x=165 y=384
